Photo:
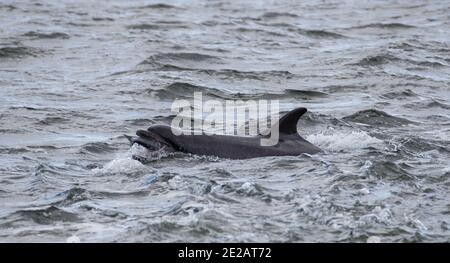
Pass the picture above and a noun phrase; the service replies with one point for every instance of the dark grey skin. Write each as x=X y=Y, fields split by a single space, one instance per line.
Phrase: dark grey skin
x=225 y=146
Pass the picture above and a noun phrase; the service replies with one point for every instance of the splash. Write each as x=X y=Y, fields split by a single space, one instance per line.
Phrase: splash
x=334 y=140
x=142 y=154
x=130 y=162
x=121 y=166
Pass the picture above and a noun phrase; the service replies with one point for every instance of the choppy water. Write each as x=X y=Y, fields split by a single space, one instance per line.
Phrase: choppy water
x=76 y=76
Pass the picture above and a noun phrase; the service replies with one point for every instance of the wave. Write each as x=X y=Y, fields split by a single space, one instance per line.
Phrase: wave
x=280 y=24
x=386 y=26
x=313 y=118
x=179 y=56
x=247 y=189
x=376 y=118
x=389 y=170
x=53 y=120
x=251 y=189
x=157 y=26
x=255 y=75
x=259 y=31
x=13 y=131
x=412 y=145
x=54 y=35
x=46 y=171
x=181 y=61
x=15 y=150
x=319 y=33
x=96 y=18
x=72 y=196
x=334 y=140
x=377 y=60
x=17 y=52
x=343 y=88
x=140 y=122
x=47 y=216
x=312 y=33
x=428 y=104
x=437 y=104
x=270 y=15
x=29 y=108
x=97 y=148
x=430 y=64
x=144 y=26
x=158 y=6
x=182 y=90
x=377 y=215
x=306 y=94
x=77 y=194
x=399 y=94
x=206 y=64
x=7 y=7
x=77 y=24
x=50 y=176
x=202 y=68
x=381 y=59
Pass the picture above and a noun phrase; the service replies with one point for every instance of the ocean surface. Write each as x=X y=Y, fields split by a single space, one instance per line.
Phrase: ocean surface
x=75 y=76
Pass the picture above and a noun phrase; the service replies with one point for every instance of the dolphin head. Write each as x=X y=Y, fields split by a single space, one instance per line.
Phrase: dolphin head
x=156 y=139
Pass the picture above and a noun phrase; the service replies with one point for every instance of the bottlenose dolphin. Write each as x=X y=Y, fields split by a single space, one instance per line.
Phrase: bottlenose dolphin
x=161 y=137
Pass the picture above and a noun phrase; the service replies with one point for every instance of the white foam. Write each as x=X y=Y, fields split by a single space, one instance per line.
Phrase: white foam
x=73 y=239
x=373 y=239
x=378 y=215
x=137 y=149
x=121 y=166
x=124 y=163
x=144 y=154
x=335 y=140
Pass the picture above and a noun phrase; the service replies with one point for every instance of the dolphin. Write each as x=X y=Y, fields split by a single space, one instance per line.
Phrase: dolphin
x=290 y=143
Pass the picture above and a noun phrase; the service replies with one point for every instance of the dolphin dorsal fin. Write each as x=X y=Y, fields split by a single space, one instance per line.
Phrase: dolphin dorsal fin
x=288 y=123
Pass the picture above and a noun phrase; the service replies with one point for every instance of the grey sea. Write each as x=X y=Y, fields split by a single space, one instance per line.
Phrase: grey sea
x=75 y=76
